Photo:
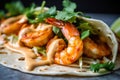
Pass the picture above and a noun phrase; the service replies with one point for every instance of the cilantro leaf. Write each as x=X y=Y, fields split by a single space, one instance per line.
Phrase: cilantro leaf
x=96 y=67
x=58 y=32
x=69 y=6
x=86 y=26
x=85 y=34
x=2 y=14
x=67 y=14
x=40 y=15
x=30 y=13
x=14 y=8
x=50 y=13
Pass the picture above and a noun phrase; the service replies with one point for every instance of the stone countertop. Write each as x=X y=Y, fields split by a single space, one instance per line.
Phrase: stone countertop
x=10 y=74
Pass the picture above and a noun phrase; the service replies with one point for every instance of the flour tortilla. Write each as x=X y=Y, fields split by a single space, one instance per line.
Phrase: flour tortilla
x=105 y=32
x=11 y=59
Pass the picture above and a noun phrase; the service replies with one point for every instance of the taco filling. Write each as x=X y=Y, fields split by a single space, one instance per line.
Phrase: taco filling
x=45 y=36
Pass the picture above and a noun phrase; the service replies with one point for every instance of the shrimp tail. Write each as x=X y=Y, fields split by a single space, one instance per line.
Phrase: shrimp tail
x=71 y=53
x=68 y=29
x=55 y=22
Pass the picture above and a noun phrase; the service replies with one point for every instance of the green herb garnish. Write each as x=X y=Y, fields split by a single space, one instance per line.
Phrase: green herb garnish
x=2 y=14
x=42 y=8
x=57 y=31
x=50 y=13
x=36 y=16
x=30 y=13
x=14 y=8
x=69 y=6
x=96 y=67
x=83 y=26
x=85 y=34
x=68 y=13
x=39 y=50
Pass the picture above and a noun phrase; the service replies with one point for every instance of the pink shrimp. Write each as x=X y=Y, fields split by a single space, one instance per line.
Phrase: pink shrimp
x=95 y=50
x=12 y=25
x=74 y=50
x=31 y=37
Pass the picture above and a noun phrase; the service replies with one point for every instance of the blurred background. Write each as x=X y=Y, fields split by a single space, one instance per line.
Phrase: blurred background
x=87 y=6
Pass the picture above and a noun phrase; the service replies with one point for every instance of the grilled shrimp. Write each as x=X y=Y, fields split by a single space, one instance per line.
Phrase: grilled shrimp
x=95 y=50
x=12 y=25
x=39 y=36
x=74 y=49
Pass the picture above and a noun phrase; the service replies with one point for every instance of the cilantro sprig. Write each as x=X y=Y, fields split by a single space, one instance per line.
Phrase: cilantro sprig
x=57 y=31
x=69 y=6
x=50 y=13
x=2 y=14
x=68 y=13
x=14 y=8
x=96 y=67
x=85 y=34
x=36 y=16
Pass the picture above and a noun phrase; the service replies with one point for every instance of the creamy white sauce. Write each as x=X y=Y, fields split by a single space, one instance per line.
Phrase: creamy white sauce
x=30 y=56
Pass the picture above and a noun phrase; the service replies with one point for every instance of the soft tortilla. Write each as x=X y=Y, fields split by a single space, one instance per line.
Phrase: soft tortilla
x=14 y=63
x=105 y=32
x=10 y=59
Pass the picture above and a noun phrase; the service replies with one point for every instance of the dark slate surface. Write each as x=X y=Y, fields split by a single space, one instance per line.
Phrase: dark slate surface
x=93 y=6
x=10 y=74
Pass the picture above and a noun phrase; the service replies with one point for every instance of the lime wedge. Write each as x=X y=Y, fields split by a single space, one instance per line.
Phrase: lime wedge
x=116 y=27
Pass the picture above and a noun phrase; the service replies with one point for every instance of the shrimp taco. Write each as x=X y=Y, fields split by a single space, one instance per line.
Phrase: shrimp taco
x=49 y=42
